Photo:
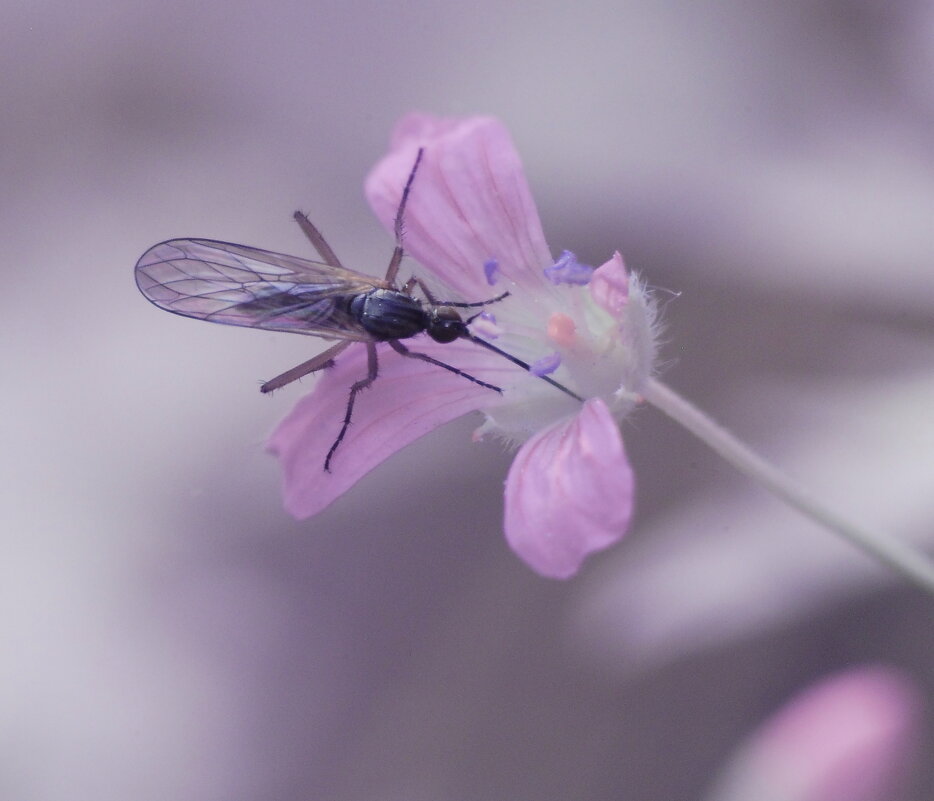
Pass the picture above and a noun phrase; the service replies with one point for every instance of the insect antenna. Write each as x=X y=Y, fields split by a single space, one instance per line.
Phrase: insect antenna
x=524 y=365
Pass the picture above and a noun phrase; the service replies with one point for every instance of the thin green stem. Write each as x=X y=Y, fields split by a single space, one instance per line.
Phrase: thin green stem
x=911 y=563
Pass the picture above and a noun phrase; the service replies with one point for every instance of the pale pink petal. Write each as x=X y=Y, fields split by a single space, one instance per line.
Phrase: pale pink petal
x=569 y=492
x=418 y=125
x=470 y=202
x=609 y=286
x=850 y=737
x=408 y=399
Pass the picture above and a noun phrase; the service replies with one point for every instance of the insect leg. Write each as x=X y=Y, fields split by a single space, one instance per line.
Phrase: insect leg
x=317 y=240
x=372 y=371
x=394 y=263
x=397 y=254
x=414 y=281
x=398 y=347
x=319 y=362
x=473 y=305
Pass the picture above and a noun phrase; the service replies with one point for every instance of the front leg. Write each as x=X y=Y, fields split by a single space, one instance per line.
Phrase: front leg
x=429 y=296
x=393 y=269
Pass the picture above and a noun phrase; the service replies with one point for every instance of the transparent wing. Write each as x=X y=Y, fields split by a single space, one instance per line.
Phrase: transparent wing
x=239 y=285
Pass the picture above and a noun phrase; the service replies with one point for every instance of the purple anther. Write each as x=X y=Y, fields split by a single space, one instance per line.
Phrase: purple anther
x=491 y=271
x=486 y=326
x=568 y=270
x=545 y=365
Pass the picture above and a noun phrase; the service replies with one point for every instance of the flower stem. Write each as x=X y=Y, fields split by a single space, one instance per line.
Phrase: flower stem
x=912 y=564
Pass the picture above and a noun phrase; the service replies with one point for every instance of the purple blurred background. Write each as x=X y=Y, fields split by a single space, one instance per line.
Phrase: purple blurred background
x=169 y=633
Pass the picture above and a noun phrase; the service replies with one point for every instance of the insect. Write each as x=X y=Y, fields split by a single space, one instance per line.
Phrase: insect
x=239 y=285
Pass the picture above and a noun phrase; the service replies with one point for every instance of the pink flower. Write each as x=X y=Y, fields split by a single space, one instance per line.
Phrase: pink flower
x=850 y=737
x=472 y=225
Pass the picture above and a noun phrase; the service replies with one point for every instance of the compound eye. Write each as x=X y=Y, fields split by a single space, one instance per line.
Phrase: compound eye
x=446 y=325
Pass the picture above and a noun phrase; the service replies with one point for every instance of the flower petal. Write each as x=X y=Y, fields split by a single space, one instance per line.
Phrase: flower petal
x=569 y=492
x=408 y=399
x=469 y=204
x=609 y=285
x=848 y=738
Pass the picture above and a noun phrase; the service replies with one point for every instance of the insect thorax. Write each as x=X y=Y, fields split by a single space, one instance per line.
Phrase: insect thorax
x=389 y=314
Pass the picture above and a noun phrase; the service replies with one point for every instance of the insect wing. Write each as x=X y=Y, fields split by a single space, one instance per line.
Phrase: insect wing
x=238 y=285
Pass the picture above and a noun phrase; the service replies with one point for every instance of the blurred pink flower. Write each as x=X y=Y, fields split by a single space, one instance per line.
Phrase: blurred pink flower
x=850 y=737
x=471 y=224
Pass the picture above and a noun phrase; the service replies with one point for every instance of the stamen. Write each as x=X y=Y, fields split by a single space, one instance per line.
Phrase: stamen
x=545 y=365
x=524 y=365
x=568 y=270
x=485 y=325
x=491 y=271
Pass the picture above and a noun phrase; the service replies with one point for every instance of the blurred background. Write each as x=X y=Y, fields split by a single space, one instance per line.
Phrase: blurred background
x=170 y=633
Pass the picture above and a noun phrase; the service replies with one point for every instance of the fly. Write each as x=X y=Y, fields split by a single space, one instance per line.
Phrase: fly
x=239 y=285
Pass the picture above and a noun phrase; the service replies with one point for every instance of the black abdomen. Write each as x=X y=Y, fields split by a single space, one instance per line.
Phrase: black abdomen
x=388 y=314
